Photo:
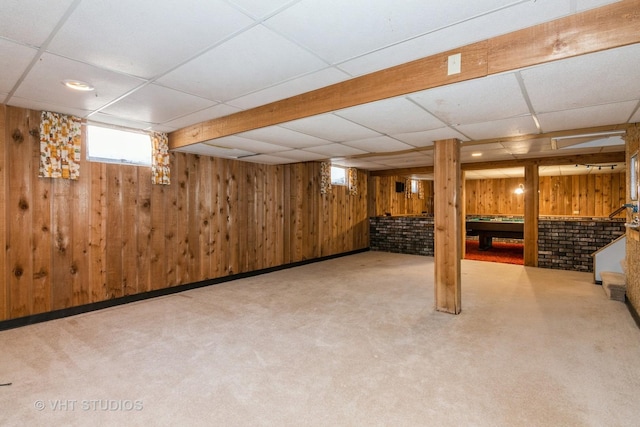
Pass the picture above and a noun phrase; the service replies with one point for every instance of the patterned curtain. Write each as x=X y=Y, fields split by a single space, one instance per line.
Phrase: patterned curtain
x=325 y=177
x=160 y=171
x=60 y=146
x=407 y=188
x=420 y=190
x=352 y=174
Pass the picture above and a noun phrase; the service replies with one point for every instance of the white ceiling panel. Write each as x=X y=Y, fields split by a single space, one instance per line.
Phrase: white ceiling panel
x=379 y=144
x=260 y=8
x=17 y=19
x=501 y=128
x=14 y=58
x=331 y=128
x=245 y=144
x=204 y=149
x=480 y=100
x=268 y=159
x=590 y=4
x=299 y=85
x=285 y=137
x=301 y=155
x=392 y=22
x=335 y=150
x=391 y=116
x=119 y=121
x=426 y=138
x=16 y=101
x=561 y=85
x=164 y=104
x=44 y=84
x=468 y=148
x=599 y=115
x=108 y=43
x=219 y=110
x=636 y=116
x=359 y=163
x=510 y=18
x=242 y=56
x=528 y=147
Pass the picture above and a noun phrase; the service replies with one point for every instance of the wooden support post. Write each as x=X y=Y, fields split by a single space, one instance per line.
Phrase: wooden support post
x=447 y=227
x=531 y=209
x=463 y=215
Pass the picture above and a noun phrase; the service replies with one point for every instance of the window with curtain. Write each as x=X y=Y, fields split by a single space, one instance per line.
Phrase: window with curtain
x=60 y=146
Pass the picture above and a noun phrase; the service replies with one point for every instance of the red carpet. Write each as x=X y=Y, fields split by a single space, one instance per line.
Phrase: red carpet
x=508 y=253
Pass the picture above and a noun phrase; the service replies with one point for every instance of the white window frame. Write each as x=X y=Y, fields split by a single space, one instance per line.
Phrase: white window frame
x=337 y=181
x=110 y=144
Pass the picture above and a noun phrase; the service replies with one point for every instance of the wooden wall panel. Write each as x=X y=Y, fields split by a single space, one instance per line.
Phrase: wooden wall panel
x=387 y=200
x=594 y=195
x=19 y=213
x=4 y=141
x=112 y=233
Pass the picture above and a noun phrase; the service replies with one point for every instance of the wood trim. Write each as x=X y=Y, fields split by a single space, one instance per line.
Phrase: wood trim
x=608 y=27
x=447 y=221
x=4 y=136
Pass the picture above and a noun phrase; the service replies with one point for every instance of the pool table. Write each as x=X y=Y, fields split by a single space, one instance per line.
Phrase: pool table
x=488 y=228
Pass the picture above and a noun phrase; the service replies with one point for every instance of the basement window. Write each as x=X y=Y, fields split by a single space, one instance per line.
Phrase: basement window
x=110 y=145
x=414 y=186
x=338 y=175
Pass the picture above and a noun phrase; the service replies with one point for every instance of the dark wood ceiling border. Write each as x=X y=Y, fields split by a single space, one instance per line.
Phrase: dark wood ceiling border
x=607 y=27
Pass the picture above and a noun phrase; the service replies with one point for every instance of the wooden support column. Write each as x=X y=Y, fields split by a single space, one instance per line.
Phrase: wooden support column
x=463 y=215
x=447 y=225
x=531 y=210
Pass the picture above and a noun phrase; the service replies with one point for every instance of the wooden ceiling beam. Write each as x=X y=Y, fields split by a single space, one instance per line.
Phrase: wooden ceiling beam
x=607 y=27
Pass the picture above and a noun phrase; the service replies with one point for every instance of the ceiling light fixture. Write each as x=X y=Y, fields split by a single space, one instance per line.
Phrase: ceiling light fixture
x=78 y=85
x=520 y=189
x=476 y=154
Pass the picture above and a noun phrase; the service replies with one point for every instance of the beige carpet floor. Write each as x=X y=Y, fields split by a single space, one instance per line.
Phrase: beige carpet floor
x=352 y=341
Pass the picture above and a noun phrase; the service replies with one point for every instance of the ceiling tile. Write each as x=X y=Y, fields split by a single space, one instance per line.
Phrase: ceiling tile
x=392 y=22
x=427 y=138
x=358 y=163
x=260 y=8
x=301 y=155
x=299 y=85
x=636 y=116
x=512 y=17
x=331 y=128
x=480 y=100
x=587 y=117
x=157 y=104
x=391 y=116
x=214 y=151
x=219 y=110
x=561 y=85
x=468 y=148
x=501 y=128
x=18 y=15
x=118 y=121
x=44 y=84
x=101 y=34
x=242 y=56
x=285 y=137
x=268 y=159
x=14 y=59
x=245 y=144
x=531 y=146
x=16 y=101
x=590 y=4
x=378 y=144
x=335 y=150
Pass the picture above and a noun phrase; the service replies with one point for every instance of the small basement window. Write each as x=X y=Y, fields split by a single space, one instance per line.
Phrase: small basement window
x=414 y=186
x=338 y=175
x=110 y=145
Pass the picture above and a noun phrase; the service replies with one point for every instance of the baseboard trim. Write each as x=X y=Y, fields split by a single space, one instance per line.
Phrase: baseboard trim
x=72 y=311
x=633 y=311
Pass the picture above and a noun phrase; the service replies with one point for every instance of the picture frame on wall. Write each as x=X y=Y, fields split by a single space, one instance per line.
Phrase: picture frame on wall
x=633 y=179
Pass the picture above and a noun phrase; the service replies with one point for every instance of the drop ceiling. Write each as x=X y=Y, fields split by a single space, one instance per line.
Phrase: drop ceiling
x=163 y=65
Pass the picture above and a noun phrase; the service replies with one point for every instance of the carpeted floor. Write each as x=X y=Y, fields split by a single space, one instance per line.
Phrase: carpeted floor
x=508 y=253
x=352 y=341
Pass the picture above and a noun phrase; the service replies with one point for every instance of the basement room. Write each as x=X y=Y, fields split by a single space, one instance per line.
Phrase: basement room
x=311 y=213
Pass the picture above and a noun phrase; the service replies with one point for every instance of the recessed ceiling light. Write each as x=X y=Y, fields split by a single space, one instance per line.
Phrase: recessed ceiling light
x=476 y=154
x=78 y=85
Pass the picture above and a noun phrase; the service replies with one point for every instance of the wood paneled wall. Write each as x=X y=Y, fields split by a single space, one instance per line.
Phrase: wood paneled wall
x=112 y=233
x=595 y=195
x=385 y=199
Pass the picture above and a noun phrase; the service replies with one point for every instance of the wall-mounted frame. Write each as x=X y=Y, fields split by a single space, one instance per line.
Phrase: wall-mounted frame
x=633 y=176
